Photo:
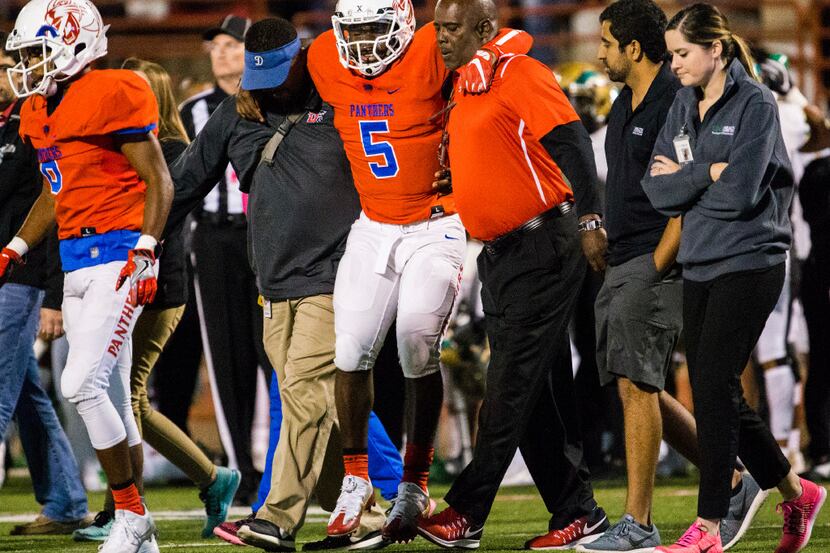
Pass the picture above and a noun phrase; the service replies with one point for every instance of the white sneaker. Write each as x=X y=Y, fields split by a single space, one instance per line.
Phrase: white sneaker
x=411 y=504
x=356 y=494
x=150 y=546
x=131 y=533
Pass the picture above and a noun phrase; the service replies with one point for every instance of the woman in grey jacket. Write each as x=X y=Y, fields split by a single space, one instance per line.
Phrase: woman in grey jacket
x=720 y=162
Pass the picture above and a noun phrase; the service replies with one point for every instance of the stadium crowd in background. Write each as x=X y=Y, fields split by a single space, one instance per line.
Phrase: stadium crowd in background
x=649 y=291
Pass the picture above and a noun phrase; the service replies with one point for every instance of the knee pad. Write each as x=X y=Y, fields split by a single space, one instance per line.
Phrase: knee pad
x=102 y=420
x=80 y=382
x=418 y=356
x=71 y=386
x=351 y=356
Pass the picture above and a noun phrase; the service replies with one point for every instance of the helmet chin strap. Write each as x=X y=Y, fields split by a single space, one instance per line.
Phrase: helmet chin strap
x=51 y=87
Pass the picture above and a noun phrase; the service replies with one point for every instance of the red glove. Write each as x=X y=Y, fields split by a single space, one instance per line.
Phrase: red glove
x=143 y=283
x=9 y=259
x=477 y=75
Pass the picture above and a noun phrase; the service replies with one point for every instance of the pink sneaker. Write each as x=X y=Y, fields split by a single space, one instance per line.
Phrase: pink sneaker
x=228 y=530
x=799 y=516
x=695 y=540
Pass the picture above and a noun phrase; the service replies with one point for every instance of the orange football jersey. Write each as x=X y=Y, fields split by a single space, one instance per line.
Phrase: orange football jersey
x=96 y=188
x=386 y=126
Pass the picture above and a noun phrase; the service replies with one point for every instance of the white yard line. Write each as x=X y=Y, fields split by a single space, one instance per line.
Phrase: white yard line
x=315 y=514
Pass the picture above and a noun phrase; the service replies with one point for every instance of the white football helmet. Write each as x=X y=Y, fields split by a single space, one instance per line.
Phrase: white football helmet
x=68 y=34
x=371 y=34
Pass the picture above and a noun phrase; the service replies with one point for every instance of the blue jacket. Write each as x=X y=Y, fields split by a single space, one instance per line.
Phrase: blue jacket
x=741 y=221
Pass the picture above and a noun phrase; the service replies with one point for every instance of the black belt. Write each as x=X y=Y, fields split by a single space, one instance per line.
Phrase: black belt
x=230 y=219
x=498 y=245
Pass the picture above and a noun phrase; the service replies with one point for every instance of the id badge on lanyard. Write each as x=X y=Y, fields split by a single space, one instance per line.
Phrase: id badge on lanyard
x=683 y=147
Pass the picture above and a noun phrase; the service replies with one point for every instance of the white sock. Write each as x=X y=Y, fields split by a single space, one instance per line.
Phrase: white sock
x=794 y=440
x=780 y=385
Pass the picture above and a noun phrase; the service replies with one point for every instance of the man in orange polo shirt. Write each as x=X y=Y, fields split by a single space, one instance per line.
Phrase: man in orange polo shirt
x=520 y=159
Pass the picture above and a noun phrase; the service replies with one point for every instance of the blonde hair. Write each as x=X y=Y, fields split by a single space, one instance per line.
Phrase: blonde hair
x=703 y=24
x=171 y=126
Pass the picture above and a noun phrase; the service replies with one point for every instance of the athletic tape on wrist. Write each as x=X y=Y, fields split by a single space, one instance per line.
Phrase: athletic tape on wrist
x=18 y=245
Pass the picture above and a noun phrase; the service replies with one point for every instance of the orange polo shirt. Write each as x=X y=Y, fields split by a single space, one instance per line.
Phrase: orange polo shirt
x=501 y=174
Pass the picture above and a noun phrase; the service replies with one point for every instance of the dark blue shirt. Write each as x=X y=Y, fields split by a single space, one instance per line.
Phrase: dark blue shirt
x=634 y=227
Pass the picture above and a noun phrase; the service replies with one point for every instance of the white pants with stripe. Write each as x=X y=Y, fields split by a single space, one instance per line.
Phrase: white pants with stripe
x=408 y=273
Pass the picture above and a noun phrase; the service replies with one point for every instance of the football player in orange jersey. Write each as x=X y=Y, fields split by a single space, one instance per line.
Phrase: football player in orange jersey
x=107 y=187
x=403 y=257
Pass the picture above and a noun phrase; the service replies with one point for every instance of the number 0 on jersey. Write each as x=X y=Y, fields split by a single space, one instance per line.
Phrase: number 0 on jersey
x=53 y=176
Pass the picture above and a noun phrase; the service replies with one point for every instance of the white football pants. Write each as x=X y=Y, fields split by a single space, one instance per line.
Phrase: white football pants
x=99 y=323
x=408 y=273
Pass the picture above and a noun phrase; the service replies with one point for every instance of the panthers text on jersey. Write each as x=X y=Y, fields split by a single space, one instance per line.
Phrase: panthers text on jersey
x=387 y=124
x=96 y=188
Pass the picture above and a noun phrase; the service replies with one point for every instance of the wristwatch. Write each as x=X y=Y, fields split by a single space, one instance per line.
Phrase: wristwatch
x=589 y=225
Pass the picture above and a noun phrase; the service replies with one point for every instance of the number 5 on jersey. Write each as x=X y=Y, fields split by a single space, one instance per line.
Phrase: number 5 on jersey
x=374 y=147
x=53 y=176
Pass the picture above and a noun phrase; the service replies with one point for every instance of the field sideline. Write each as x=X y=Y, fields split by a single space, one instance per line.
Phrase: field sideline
x=517 y=515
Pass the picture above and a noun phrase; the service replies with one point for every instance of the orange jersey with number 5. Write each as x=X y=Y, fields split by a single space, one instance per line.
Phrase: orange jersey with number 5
x=96 y=188
x=386 y=123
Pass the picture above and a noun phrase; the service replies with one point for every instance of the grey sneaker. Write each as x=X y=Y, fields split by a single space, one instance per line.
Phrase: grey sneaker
x=742 y=509
x=626 y=535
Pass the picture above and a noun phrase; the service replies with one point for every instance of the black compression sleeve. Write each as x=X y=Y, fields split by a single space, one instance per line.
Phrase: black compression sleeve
x=570 y=147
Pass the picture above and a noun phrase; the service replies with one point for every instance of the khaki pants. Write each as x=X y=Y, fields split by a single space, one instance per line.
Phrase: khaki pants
x=299 y=339
x=152 y=330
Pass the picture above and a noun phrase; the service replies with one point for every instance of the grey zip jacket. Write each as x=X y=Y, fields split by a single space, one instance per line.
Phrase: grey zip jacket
x=739 y=222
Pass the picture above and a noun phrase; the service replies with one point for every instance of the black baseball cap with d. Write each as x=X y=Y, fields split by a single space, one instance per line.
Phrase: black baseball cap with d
x=233 y=25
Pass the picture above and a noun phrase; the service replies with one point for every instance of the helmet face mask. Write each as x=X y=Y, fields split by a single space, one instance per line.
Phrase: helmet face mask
x=35 y=72
x=371 y=34
x=56 y=39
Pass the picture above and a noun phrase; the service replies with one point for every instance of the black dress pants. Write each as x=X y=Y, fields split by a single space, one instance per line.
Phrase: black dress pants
x=529 y=292
x=722 y=320
x=232 y=320
x=815 y=297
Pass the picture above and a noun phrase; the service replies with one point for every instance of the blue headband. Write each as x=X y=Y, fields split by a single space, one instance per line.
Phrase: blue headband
x=269 y=69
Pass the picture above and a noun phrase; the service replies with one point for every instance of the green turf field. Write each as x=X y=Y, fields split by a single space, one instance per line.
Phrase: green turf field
x=518 y=514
